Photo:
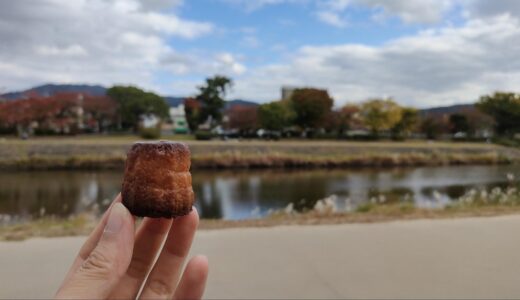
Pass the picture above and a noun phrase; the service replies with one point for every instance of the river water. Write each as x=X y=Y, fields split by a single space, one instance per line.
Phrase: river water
x=249 y=193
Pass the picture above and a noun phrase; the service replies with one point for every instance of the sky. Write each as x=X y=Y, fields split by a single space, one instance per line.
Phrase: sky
x=421 y=53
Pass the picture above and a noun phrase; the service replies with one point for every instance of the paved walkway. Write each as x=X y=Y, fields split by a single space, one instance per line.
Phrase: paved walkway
x=460 y=258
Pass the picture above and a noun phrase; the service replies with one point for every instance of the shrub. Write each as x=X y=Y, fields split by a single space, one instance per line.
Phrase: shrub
x=203 y=135
x=152 y=133
x=365 y=207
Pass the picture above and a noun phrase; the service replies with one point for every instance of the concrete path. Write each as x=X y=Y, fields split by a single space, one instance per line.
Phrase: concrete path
x=460 y=258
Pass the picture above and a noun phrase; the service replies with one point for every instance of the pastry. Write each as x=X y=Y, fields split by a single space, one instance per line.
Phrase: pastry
x=157 y=181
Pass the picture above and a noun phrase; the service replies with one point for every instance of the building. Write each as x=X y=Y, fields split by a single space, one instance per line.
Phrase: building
x=287 y=92
x=178 y=117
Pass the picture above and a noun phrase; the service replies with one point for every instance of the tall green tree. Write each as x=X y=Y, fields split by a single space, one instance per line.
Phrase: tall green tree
x=276 y=115
x=380 y=115
x=211 y=96
x=134 y=102
x=311 y=107
x=505 y=110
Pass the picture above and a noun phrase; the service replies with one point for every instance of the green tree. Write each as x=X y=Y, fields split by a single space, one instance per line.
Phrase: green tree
x=505 y=110
x=380 y=115
x=431 y=128
x=134 y=102
x=459 y=123
x=276 y=115
x=211 y=97
x=406 y=124
x=311 y=107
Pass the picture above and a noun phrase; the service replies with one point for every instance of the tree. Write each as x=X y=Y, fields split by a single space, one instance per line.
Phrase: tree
x=380 y=115
x=276 y=115
x=192 y=111
x=459 y=123
x=244 y=118
x=431 y=128
x=211 y=97
x=341 y=120
x=348 y=118
x=505 y=110
x=133 y=103
x=311 y=107
x=407 y=123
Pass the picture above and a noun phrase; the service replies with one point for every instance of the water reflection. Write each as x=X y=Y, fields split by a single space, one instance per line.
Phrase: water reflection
x=248 y=194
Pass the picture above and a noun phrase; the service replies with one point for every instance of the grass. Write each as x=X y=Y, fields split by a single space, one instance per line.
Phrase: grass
x=475 y=203
x=108 y=152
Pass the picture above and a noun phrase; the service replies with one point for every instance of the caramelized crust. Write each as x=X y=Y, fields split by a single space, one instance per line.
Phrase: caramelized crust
x=157 y=181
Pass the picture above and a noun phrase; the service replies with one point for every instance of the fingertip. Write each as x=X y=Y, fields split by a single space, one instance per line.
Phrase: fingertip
x=197 y=269
x=118 y=198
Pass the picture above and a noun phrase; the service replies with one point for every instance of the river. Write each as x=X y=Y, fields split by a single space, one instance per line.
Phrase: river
x=249 y=193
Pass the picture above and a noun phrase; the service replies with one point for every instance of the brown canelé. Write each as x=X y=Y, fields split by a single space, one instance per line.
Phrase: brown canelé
x=157 y=180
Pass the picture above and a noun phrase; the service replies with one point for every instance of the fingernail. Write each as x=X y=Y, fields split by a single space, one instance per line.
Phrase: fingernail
x=116 y=218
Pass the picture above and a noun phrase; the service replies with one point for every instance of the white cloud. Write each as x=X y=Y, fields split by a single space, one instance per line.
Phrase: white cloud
x=93 y=41
x=252 y=5
x=331 y=18
x=198 y=64
x=250 y=41
x=486 y=8
x=227 y=63
x=435 y=67
x=409 y=11
x=72 y=50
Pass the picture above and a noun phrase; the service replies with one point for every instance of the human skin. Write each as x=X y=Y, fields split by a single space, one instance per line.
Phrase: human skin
x=117 y=261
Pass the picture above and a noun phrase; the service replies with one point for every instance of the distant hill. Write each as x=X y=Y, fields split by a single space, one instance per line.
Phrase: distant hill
x=98 y=90
x=174 y=101
x=51 y=89
x=447 y=110
x=242 y=102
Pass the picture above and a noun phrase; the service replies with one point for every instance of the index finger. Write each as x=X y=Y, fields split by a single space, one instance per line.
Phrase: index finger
x=91 y=241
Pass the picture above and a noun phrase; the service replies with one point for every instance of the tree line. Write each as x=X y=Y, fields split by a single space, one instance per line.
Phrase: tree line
x=308 y=112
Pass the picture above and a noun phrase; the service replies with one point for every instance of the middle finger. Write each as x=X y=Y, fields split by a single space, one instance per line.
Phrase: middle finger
x=148 y=241
x=163 y=278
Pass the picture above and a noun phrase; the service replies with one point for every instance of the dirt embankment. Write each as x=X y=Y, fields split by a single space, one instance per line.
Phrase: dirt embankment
x=44 y=154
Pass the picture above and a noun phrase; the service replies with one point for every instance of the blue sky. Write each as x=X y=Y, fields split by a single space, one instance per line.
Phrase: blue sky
x=419 y=52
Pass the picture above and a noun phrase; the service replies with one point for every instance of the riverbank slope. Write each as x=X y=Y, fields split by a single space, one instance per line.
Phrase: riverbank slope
x=105 y=152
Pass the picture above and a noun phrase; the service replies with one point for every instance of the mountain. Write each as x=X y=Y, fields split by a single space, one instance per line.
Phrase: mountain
x=174 y=101
x=51 y=89
x=98 y=90
x=242 y=102
x=447 y=110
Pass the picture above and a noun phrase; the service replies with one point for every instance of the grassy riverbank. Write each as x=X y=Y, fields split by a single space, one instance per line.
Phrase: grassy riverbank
x=108 y=152
x=474 y=203
x=84 y=223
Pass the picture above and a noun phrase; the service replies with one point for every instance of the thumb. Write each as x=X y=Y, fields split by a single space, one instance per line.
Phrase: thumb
x=105 y=265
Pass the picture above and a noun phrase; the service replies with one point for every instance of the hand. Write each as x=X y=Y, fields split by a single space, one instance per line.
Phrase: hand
x=114 y=262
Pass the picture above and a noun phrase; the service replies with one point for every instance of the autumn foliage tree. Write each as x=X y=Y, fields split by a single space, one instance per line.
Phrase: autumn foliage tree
x=59 y=113
x=380 y=115
x=311 y=107
x=192 y=110
x=407 y=123
x=244 y=118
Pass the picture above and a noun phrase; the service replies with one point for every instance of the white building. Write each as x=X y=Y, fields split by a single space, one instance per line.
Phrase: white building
x=178 y=117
